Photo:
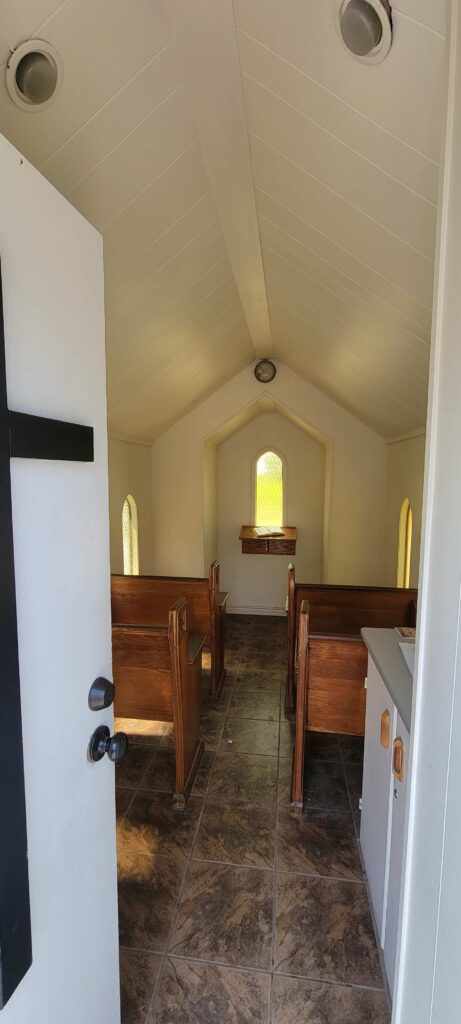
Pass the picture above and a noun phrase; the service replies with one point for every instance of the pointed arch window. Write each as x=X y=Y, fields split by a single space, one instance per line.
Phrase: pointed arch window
x=130 y=537
x=404 y=547
x=269 y=490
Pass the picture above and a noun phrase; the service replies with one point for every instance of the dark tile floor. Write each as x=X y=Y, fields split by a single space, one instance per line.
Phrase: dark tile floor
x=233 y=912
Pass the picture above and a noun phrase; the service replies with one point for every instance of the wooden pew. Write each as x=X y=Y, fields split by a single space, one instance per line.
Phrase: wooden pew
x=146 y=600
x=343 y=610
x=157 y=674
x=330 y=692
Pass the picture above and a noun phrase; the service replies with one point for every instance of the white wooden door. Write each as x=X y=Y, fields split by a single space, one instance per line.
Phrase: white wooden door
x=397 y=832
x=54 y=325
x=377 y=794
x=429 y=979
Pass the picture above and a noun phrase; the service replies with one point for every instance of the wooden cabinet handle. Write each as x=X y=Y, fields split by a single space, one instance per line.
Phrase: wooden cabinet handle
x=398 y=759
x=386 y=729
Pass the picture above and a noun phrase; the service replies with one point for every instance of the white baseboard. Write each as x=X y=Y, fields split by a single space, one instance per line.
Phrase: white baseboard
x=254 y=610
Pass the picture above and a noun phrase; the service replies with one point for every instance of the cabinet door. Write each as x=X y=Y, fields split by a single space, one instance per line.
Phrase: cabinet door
x=399 y=794
x=380 y=726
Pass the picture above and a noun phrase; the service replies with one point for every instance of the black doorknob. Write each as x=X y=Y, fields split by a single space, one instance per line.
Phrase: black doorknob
x=101 y=695
x=102 y=743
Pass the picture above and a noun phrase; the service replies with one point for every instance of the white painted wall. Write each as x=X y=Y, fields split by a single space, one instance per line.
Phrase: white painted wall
x=130 y=472
x=405 y=478
x=356 y=459
x=260 y=583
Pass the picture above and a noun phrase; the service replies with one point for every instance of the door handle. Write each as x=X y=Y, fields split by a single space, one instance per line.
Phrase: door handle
x=102 y=743
x=386 y=729
x=398 y=759
x=101 y=695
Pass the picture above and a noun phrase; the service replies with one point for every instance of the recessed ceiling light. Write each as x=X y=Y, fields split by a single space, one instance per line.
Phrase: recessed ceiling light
x=365 y=28
x=34 y=75
x=265 y=371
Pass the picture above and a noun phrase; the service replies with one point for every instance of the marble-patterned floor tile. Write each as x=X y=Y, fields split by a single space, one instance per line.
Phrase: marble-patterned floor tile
x=153 y=825
x=211 y=726
x=284 y=781
x=225 y=915
x=318 y=843
x=247 y=736
x=324 y=931
x=123 y=798
x=322 y=746
x=296 y=1001
x=130 y=772
x=253 y=704
x=325 y=786
x=237 y=777
x=203 y=774
x=148 y=892
x=238 y=833
x=195 y=993
x=351 y=749
x=160 y=776
x=168 y=735
x=354 y=774
x=138 y=974
x=258 y=682
x=287 y=738
x=140 y=731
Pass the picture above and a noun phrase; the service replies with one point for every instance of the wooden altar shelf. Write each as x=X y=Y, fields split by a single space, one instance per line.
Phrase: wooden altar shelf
x=283 y=544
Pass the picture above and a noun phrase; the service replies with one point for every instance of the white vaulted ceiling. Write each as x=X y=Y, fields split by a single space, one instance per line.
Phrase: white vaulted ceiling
x=258 y=190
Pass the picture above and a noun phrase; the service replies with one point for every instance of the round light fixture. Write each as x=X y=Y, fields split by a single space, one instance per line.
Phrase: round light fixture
x=34 y=75
x=265 y=371
x=365 y=28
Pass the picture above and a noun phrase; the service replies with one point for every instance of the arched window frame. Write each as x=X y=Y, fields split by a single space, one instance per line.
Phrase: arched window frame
x=404 y=544
x=130 y=539
x=263 y=451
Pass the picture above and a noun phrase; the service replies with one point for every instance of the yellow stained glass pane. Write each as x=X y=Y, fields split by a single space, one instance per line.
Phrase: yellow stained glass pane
x=269 y=490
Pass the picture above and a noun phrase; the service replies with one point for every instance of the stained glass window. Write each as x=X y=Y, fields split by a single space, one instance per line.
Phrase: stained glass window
x=269 y=490
x=130 y=537
x=404 y=547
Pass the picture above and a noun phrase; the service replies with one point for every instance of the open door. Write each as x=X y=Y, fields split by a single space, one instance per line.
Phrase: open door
x=52 y=272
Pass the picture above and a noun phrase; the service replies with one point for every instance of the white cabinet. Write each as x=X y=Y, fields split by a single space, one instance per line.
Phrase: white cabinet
x=377 y=792
x=383 y=810
x=399 y=796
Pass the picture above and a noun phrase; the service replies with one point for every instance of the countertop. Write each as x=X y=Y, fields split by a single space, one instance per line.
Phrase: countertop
x=383 y=645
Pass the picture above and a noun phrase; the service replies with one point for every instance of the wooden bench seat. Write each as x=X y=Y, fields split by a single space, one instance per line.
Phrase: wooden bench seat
x=329 y=689
x=343 y=610
x=146 y=600
x=157 y=675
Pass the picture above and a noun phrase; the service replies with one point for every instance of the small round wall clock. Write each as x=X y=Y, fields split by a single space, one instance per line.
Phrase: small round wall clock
x=265 y=371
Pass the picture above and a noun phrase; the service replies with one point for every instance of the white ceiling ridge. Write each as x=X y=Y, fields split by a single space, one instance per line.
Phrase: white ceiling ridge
x=366 y=318
x=373 y=295
x=141 y=284
x=206 y=37
x=149 y=184
x=339 y=140
x=122 y=142
x=112 y=98
x=158 y=238
x=420 y=432
x=343 y=198
x=144 y=442
x=330 y=92
x=348 y=252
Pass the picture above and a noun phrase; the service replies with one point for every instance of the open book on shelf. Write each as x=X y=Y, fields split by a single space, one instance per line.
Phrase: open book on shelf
x=268 y=531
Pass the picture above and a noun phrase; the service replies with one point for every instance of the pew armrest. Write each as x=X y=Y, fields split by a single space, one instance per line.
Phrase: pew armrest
x=196 y=642
x=223 y=598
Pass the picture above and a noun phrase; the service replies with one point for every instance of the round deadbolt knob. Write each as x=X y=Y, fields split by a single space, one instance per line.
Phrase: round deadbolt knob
x=102 y=743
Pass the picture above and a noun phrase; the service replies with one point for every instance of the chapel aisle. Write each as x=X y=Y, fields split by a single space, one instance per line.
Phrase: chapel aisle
x=232 y=912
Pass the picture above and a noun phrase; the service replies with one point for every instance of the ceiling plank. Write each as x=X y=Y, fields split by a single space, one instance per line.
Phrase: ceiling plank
x=205 y=34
